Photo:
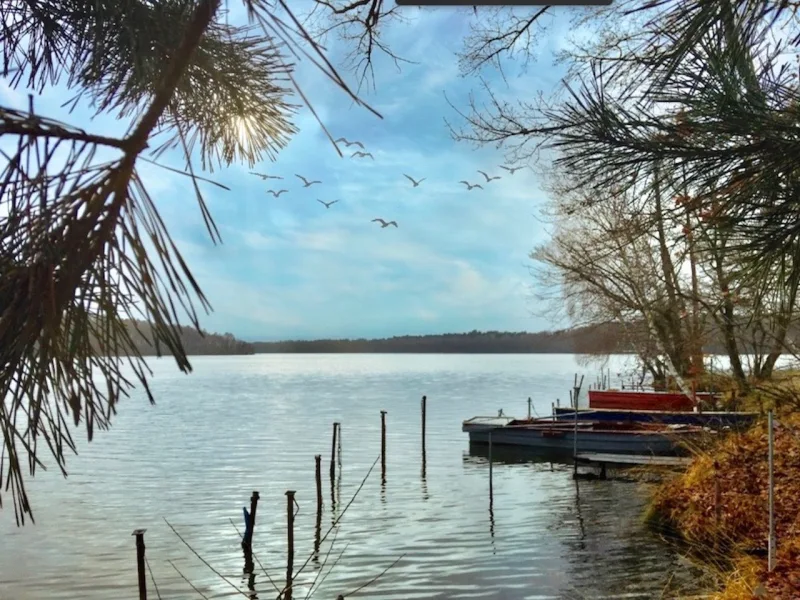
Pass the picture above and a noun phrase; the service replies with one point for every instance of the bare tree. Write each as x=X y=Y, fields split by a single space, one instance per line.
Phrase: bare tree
x=615 y=261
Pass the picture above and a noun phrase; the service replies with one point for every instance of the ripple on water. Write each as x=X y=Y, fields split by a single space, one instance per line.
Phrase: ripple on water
x=240 y=424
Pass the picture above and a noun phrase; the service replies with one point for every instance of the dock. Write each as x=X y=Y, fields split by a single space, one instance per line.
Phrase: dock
x=602 y=460
x=634 y=459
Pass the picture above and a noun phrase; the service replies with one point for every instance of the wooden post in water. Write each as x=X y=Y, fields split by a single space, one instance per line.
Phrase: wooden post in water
x=318 y=477
x=139 y=533
x=383 y=445
x=529 y=408
x=424 y=457
x=318 y=524
x=491 y=485
x=772 y=542
x=333 y=450
x=424 y=418
x=290 y=504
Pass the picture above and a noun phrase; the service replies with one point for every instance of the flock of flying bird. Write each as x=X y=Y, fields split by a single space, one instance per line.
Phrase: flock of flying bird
x=363 y=154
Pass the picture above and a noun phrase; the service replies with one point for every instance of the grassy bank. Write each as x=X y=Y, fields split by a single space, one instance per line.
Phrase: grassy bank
x=719 y=506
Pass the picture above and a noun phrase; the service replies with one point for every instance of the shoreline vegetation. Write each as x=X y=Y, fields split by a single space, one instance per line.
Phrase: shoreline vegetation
x=718 y=506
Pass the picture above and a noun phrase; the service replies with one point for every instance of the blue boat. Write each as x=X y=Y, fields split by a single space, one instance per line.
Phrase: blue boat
x=712 y=419
x=554 y=437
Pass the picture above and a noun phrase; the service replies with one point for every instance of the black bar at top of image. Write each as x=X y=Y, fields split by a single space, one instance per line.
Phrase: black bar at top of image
x=503 y=2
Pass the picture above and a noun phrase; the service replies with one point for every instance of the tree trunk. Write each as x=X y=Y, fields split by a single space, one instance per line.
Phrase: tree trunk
x=671 y=316
x=728 y=321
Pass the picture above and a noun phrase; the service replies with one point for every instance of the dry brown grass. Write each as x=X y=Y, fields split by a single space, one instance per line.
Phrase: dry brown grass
x=719 y=506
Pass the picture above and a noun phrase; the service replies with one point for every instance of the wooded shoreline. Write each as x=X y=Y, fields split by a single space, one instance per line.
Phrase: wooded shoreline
x=600 y=340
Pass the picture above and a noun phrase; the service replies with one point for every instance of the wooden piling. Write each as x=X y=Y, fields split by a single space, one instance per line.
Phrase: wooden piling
x=529 y=407
x=383 y=445
x=318 y=524
x=333 y=450
x=290 y=504
x=424 y=418
x=139 y=533
x=318 y=477
x=491 y=483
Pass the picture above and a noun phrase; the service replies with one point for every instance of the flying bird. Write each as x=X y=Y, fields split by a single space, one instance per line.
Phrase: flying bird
x=412 y=180
x=470 y=185
x=362 y=155
x=276 y=194
x=265 y=177
x=327 y=204
x=510 y=169
x=383 y=223
x=348 y=144
x=306 y=182
x=488 y=179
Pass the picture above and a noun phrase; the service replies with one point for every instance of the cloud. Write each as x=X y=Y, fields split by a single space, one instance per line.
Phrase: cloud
x=290 y=268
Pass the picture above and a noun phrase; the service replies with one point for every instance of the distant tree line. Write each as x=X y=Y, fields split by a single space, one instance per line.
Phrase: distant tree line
x=581 y=340
x=194 y=342
x=598 y=340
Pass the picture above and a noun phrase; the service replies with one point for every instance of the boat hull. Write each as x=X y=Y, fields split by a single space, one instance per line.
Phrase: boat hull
x=631 y=400
x=706 y=419
x=561 y=441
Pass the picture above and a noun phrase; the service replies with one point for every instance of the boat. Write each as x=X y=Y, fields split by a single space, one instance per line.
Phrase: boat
x=713 y=419
x=646 y=400
x=555 y=437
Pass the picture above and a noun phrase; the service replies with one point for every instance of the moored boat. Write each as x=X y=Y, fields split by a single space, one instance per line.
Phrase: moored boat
x=714 y=419
x=564 y=437
x=640 y=400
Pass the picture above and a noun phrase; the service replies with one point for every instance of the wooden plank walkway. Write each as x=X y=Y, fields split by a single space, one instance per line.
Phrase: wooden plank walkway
x=633 y=459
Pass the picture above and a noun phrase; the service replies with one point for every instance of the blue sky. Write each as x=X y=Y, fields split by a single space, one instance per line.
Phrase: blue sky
x=289 y=268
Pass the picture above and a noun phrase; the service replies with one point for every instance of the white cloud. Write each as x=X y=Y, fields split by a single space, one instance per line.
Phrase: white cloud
x=291 y=266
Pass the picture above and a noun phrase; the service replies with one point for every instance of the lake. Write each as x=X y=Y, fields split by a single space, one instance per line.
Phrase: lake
x=244 y=423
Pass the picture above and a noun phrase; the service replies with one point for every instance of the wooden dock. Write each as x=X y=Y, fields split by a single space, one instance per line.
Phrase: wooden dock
x=633 y=459
x=603 y=460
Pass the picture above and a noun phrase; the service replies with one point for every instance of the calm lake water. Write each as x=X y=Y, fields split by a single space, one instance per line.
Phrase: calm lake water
x=244 y=423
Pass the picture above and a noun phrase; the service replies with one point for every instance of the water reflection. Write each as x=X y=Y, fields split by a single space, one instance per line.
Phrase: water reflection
x=434 y=513
x=251 y=586
x=514 y=455
x=317 y=534
x=578 y=514
x=599 y=527
x=423 y=475
x=491 y=519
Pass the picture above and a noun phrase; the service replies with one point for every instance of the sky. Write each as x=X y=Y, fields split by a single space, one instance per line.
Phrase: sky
x=289 y=268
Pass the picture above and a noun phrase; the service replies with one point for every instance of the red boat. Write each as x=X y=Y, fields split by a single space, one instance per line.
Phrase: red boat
x=630 y=400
